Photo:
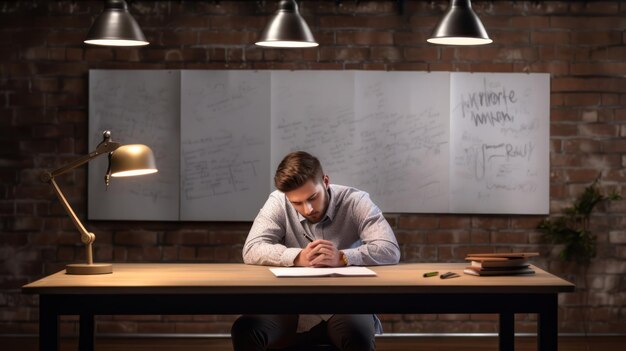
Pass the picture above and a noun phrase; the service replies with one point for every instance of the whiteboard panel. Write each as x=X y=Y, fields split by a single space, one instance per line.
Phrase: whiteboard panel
x=314 y=112
x=401 y=149
x=500 y=143
x=138 y=107
x=225 y=144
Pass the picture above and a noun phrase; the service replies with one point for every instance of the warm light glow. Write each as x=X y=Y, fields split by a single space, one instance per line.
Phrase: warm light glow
x=133 y=149
x=132 y=160
x=135 y=172
x=116 y=42
x=459 y=41
x=287 y=44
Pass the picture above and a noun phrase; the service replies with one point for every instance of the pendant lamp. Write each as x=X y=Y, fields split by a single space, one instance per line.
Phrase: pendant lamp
x=460 y=26
x=115 y=27
x=287 y=29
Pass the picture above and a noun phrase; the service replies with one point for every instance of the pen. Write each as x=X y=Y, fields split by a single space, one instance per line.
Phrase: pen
x=430 y=274
x=308 y=237
x=449 y=275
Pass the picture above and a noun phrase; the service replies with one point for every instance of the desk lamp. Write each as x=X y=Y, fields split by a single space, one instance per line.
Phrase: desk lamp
x=124 y=161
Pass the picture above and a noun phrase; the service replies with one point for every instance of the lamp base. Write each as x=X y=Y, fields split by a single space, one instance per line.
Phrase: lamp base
x=86 y=269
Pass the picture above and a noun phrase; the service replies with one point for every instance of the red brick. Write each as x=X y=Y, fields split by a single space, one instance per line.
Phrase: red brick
x=365 y=38
x=410 y=38
x=597 y=23
x=179 y=37
x=418 y=222
x=490 y=222
x=226 y=38
x=357 y=22
x=186 y=253
x=511 y=38
x=581 y=99
x=478 y=236
x=408 y=238
x=581 y=175
x=581 y=145
x=398 y=66
x=504 y=237
x=611 y=146
x=556 y=38
x=45 y=84
x=557 y=130
x=554 y=68
x=135 y=238
x=597 y=38
x=598 y=130
x=598 y=69
x=448 y=237
x=591 y=84
x=144 y=254
x=187 y=238
x=421 y=54
x=240 y=22
x=76 y=86
x=344 y=54
x=386 y=53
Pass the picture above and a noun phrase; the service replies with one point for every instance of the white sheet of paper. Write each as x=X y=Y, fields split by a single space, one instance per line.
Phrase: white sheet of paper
x=323 y=272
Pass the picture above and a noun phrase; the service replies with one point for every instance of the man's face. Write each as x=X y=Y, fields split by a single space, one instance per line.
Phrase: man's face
x=311 y=199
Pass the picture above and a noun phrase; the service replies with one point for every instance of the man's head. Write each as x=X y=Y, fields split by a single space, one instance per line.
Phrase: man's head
x=300 y=176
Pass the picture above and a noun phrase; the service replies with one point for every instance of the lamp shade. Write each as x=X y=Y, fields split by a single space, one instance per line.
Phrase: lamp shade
x=460 y=26
x=131 y=160
x=287 y=29
x=116 y=27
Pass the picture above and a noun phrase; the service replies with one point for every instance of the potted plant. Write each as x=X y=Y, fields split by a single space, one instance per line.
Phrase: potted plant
x=572 y=231
x=572 y=228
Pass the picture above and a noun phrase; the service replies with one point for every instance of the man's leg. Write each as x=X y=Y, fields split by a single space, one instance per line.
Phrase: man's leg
x=352 y=332
x=260 y=332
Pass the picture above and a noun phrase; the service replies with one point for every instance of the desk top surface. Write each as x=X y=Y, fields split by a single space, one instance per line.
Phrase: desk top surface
x=217 y=278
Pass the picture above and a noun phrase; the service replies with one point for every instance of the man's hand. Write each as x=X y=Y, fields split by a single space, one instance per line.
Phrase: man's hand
x=319 y=253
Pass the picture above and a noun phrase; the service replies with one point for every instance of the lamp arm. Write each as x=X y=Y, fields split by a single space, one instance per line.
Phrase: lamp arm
x=86 y=237
x=104 y=147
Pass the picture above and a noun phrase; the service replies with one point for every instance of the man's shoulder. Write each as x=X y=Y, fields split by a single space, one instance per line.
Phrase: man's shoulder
x=347 y=192
x=277 y=194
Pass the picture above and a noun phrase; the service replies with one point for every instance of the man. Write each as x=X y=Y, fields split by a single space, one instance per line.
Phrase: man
x=309 y=222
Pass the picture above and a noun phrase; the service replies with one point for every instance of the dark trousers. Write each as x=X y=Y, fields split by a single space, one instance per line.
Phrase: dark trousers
x=347 y=332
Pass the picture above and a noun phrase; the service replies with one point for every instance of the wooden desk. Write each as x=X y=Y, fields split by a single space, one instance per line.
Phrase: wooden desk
x=138 y=289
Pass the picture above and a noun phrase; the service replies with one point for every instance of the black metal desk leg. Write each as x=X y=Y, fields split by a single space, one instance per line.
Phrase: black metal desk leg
x=507 y=331
x=48 y=325
x=548 y=325
x=86 y=332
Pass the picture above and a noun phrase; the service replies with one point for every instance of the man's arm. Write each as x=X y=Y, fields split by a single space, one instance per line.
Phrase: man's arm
x=265 y=242
x=380 y=246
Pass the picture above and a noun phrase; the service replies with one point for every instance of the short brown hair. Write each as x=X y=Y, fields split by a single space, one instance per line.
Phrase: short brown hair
x=296 y=169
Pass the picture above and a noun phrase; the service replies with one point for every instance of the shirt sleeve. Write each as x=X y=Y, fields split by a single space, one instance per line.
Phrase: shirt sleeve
x=265 y=244
x=380 y=246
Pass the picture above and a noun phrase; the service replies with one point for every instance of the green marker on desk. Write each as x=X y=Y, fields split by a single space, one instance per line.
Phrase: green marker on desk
x=430 y=274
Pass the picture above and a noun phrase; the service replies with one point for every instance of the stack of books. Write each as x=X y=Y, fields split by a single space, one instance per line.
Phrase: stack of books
x=490 y=264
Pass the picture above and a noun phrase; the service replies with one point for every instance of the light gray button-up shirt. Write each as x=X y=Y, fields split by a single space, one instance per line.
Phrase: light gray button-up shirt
x=352 y=222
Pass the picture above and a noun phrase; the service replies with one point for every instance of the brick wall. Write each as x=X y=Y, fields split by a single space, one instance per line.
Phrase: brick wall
x=43 y=123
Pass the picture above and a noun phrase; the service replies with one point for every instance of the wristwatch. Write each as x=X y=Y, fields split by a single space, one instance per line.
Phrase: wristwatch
x=343 y=258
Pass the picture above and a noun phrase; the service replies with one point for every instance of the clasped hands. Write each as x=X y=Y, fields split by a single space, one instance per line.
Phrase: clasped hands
x=319 y=253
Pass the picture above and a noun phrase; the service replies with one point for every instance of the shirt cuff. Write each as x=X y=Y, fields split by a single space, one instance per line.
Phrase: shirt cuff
x=289 y=255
